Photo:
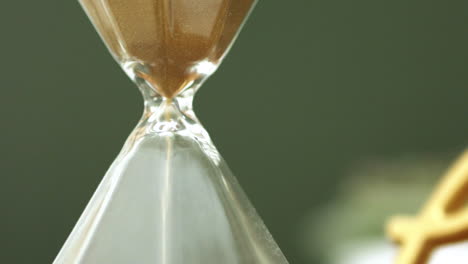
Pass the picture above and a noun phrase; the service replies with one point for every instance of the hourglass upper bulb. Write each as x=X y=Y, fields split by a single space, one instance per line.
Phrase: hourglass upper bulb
x=170 y=44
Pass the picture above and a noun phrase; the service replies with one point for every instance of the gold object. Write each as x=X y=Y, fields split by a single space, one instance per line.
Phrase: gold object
x=443 y=220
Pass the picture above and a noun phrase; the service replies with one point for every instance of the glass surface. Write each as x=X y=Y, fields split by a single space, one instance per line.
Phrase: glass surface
x=171 y=44
x=169 y=198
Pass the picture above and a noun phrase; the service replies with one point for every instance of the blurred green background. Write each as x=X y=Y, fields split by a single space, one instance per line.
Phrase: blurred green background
x=311 y=88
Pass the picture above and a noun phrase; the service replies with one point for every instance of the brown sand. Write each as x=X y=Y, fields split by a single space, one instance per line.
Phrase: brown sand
x=169 y=37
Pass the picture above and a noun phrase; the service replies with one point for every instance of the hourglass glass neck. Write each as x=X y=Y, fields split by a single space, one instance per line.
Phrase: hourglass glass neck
x=167 y=114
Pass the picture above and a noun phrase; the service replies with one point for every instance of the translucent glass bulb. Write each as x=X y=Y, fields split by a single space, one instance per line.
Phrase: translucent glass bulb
x=169 y=198
x=169 y=43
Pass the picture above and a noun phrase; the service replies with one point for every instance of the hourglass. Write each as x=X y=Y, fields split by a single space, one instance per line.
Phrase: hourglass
x=169 y=198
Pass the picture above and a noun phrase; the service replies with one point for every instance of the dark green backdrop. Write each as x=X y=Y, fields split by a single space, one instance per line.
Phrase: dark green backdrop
x=309 y=88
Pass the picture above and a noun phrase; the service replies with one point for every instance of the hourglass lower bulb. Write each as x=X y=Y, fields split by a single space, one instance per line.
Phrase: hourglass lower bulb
x=169 y=198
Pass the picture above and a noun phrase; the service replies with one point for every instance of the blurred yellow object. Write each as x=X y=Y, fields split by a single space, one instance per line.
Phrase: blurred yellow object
x=443 y=220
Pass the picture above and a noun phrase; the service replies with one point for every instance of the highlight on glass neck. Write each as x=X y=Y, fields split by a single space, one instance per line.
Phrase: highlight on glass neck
x=168 y=114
